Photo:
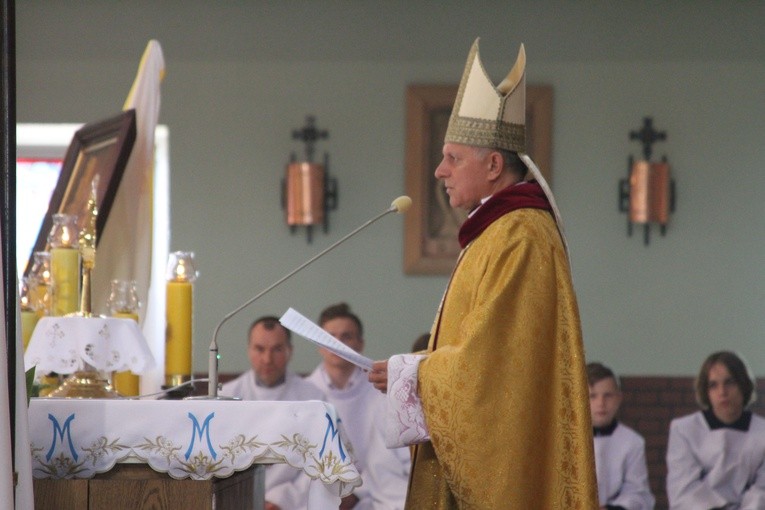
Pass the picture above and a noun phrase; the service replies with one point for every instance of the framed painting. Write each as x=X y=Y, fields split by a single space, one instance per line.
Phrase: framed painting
x=430 y=234
x=98 y=149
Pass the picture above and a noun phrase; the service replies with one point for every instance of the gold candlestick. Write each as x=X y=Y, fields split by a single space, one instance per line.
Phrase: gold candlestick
x=87 y=244
x=88 y=382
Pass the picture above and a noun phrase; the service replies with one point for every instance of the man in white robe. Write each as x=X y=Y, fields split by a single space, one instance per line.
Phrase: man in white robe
x=269 y=350
x=361 y=408
x=716 y=457
x=619 y=451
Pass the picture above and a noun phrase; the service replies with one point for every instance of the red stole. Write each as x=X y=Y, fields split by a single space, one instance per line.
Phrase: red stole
x=517 y=196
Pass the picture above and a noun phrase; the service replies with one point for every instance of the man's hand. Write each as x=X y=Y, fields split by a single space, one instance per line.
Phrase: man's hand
x=379 y=375
x=348 y=502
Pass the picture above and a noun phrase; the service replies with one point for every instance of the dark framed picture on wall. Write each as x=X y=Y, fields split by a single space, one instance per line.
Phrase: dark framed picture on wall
x=430 y=234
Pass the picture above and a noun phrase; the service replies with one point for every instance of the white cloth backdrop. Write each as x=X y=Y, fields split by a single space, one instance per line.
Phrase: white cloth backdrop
x=23 y=491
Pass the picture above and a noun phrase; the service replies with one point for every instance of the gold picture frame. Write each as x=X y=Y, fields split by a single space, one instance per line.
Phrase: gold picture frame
x=431 y=225
x=99 y=148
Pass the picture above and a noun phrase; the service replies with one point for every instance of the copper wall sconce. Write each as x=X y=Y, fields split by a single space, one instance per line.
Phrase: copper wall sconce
x=308 y=192
x=648 y=193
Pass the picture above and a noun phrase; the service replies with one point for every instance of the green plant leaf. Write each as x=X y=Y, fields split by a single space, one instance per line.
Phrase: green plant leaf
x=30 y=382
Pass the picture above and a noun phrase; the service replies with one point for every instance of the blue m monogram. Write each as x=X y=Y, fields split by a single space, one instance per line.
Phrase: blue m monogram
x=198 y=431
x=59 y=432
x=331 y=430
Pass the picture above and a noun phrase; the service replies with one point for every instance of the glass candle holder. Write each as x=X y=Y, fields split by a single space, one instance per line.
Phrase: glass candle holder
x=41 y=283
x=123 y=300
x=180 y=276
x=65 y=264
x=29 y=315
x=123 y=303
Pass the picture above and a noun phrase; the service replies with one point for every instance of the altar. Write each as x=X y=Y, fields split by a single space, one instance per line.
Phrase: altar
x=197 y=440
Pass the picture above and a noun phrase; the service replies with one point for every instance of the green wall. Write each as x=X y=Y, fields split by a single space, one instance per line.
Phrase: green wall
x=241 y=75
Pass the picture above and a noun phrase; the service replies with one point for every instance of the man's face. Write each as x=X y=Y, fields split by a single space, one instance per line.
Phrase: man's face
x=269 y=354
x=345 y=330
x=725 y=396
x=605 y=399
x=464 y=172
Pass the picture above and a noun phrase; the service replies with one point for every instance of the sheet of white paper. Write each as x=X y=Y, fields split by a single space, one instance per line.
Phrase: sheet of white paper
x=294 y=321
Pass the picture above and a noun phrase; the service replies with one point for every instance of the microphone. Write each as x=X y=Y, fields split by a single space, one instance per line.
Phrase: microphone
x=399 y=205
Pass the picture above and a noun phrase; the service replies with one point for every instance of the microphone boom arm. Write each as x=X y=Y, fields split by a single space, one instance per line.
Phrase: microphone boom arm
x=398 y=205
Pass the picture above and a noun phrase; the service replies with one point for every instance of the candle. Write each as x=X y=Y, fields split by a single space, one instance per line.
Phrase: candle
x=42 y=300
x=29 y=320
x=180 y=275
x=178 y=346
x=40 y=288
x=65 y=271
x=123 y=303
x=64 y=264
x=126 y=383
x=28 y=313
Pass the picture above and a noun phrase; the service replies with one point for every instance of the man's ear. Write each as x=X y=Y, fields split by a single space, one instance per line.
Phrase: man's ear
x=496 y=165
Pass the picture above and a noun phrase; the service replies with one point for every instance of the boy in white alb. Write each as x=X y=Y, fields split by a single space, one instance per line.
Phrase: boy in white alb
x=619 y=451
x=269 y=349
x=385 y=472
x=716 y=457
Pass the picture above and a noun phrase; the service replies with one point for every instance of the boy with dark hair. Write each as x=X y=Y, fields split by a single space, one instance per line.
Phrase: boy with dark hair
x=619 y=451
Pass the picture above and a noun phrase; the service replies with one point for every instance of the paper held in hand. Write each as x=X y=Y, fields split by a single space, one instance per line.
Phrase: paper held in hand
x=301 y=325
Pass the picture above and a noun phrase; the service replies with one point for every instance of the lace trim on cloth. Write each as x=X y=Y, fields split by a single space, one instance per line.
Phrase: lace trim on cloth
x=64 y=344
x=405 y=421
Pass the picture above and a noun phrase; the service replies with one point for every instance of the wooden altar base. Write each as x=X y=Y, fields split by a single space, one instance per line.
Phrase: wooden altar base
x=137 y=486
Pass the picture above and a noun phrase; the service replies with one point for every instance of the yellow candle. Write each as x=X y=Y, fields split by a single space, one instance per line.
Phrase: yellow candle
x=178 y=332
x=29 y=320
x=41 y=299
x=126 y=315
x=126 y=383
x=65 y=271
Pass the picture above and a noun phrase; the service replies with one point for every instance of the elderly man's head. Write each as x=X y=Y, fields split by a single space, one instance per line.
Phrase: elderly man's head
x=470 y=173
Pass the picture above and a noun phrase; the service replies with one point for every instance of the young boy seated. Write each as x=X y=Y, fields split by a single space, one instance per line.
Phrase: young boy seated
x=716 y=456
x=619 y=450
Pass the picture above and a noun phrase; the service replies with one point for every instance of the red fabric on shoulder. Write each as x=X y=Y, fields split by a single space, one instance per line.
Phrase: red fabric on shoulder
x=518 y=196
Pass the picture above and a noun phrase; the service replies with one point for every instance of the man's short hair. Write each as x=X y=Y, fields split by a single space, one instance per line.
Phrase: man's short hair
x=270 y=323
x=510 y=160
x=340 y=310
x=738 y=372
x=596 y=372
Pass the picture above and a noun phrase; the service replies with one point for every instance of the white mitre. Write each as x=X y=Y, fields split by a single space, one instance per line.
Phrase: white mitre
x=495 y=117
x=487 y=116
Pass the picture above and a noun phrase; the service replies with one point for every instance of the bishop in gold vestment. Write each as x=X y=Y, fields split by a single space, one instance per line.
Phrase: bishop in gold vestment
x=503 y=388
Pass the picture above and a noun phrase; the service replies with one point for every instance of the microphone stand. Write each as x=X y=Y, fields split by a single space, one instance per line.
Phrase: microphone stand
x=399 y=205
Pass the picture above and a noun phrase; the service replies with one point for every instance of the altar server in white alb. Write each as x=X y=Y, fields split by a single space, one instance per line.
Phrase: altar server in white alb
x=619 y=451
x=716 y=456
x=270 y=349
x=361 y=408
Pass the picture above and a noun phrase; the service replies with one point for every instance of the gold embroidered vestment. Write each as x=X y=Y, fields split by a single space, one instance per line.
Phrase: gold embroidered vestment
x=504 y=391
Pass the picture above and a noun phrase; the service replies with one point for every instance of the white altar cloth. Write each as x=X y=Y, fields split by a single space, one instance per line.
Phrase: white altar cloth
x=197 y=439
x=64 y=344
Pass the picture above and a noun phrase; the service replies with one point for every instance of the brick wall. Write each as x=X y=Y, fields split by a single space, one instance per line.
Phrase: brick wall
x=649 y=404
